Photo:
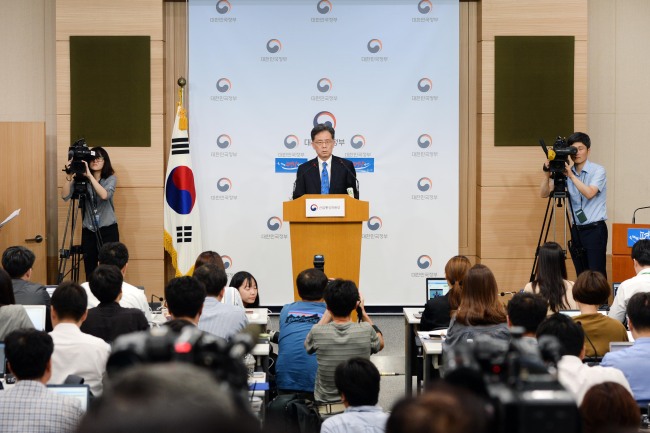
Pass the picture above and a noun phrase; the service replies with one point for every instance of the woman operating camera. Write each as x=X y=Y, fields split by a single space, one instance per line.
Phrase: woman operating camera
x=99 y=222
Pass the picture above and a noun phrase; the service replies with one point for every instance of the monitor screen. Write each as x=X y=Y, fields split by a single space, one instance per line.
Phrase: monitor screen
x=79 y=392
x=36 y=314
x=50 y=290
x=436 y=287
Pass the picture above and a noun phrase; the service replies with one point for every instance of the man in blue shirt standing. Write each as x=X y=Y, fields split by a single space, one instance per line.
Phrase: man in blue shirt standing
x=587 y=187
x=633 y=361
x=295 y=369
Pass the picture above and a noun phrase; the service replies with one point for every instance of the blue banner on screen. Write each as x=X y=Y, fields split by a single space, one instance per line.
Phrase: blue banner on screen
x=363 y=165
x=288 y=165
x=634 y=235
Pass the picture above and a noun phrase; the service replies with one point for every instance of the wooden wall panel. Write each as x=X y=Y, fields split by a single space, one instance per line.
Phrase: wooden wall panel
x=140 y=171
x=115 y=17
x=534 y=18
x=147 y=273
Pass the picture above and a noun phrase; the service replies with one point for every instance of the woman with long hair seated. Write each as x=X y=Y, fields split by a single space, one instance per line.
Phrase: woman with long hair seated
x=480 y=312
x=437 y=310
x=551 y=279
x=247 y=286
x=590 y=292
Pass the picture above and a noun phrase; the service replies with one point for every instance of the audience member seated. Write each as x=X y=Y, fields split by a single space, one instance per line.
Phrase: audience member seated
x=437 y=311
x=527 y=310
x=184 y=297
x=551 y=279
x=480 y=311
x=590 y=292
x=295 y=368
x=335 y=338
x=18 y=262
x=609 y=407
x=29 y=406
x=218 y=319
x=167 y=398
x=12 y=316
x=441 y=409
x=573 y=374
x=357 y=380
x=639 y=283
x=246 y=284
x=231 y=295
x=116 y=254
x=109 y=320
x=633 y=361
x=75 y=352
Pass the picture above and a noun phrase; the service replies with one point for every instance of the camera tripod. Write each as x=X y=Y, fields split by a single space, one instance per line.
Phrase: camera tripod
x=78 y=206
x=560 y=195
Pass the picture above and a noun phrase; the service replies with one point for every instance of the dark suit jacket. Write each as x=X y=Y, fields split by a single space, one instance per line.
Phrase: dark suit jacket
x=308 y=178
x=28 y=293
x=108 y=321
x=436 y=314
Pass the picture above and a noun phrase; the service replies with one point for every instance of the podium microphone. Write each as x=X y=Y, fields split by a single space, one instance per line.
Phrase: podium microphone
x=634 y=214
x=356 y=181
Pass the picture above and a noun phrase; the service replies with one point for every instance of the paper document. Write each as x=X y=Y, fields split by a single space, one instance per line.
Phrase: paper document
x=13 y=215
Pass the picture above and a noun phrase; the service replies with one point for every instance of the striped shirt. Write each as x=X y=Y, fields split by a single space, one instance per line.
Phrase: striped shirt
x=29 y=407
x=334 y=343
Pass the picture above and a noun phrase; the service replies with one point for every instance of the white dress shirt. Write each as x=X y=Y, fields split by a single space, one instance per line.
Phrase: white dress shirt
x=628 y=288
x=80 y=354
x=577 y=377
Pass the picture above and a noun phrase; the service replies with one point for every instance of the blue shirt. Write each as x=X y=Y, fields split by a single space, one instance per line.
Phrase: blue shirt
x=295 y=369
x=357 y=419
x=633 y=362
x=595 y=209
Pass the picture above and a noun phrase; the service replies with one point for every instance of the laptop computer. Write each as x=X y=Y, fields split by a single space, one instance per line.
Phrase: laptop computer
x=573 y=313
x=436 y=287
x=36 y=314
x=615 y=288
x=50 y=290
x=78 y=391
x=619 y=345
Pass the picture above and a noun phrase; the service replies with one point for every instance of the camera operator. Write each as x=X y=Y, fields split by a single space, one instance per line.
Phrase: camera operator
x=99 y=214
x=587 y=187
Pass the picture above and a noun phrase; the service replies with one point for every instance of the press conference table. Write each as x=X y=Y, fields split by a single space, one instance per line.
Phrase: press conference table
x=431 y=348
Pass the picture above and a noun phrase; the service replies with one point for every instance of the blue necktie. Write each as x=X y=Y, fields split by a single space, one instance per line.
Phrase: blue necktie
x=324 y=180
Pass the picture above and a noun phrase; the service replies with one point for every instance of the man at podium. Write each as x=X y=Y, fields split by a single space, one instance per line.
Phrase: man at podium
x=325 y=174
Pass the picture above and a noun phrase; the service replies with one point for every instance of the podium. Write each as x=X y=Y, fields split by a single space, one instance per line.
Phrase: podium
x=622 y=267
x=337 y=238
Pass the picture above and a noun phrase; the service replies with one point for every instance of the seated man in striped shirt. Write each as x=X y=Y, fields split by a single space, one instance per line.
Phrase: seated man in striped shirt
x=335 y=338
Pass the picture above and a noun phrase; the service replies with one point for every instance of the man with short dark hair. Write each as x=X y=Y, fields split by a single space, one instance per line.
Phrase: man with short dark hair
x=217 y=318
x=75 y=352
x=325 y=174
x=527 y=310
x=18 y=262
x=633 y=361
x=116 y=254
x=295 y=369
x=575 y=376
x=357 y=380
x=184 y=297
x=335 y=338
x=109 y=320
x=586 y=184
x=636 y=284
x=29 y=406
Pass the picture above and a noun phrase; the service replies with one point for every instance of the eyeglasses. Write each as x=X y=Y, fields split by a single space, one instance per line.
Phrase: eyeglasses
x=323 y=142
